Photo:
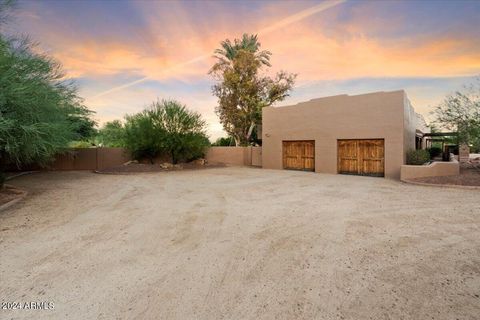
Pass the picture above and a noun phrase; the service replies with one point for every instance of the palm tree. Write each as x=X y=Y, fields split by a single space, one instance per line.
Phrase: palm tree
x=227 y=53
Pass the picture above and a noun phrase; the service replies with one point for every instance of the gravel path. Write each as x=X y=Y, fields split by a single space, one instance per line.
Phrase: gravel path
x=239 y=243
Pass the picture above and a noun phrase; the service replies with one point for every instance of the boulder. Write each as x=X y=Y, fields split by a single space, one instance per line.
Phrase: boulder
x=166 y=165
x=200 y=162
x=130 y=162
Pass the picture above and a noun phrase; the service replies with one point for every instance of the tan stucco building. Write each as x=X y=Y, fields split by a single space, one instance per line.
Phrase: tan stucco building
x=367 y=134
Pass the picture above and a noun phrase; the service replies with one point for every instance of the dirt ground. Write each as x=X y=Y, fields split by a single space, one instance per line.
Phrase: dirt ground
x=239 y=243
x=8 y=193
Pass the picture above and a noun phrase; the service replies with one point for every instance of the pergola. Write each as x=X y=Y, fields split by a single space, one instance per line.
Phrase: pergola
x=438 y=137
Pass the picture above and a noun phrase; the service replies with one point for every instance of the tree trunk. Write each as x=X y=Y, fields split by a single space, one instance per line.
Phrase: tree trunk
x=250 y=131
x=237 y=141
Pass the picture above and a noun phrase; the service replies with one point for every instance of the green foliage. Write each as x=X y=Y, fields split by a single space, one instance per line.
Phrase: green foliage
x=224 y=142
x=475 y=146
x=40 y=112
x=461 y=112
x=80 y=144
x=166 y=128
x=112 y=134
x=229 y=51
x=143 y=136
x=242 y=90
x=417 y=157
x=82 y=123
x=434 y=152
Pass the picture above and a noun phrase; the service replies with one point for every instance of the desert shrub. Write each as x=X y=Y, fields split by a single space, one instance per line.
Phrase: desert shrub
x=80 y=144
x=166 y=128
x=417 y=157
x=112 y=134
x=184 y=137
x=434 y=152
x=224 y=142
x=475 y=146
x=143 y=136
x=189 y=147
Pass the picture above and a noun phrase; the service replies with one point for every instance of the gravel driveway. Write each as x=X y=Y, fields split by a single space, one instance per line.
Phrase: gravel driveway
x=240 y=243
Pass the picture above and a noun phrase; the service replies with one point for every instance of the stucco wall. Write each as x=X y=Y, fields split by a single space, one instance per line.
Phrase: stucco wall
x=256 y=156
x=227 y=155
x=412 y=122
x=235 y=156
x=90 y=159
x=76 y=159
x=110 y=157
x=101 y=158
x=435 y=169
x=368 y=116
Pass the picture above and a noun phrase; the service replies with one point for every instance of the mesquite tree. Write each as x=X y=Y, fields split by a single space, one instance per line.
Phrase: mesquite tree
x=40 y=111
x=460 y=112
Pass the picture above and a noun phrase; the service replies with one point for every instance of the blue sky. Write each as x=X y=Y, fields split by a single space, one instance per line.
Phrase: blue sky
x=125 y=54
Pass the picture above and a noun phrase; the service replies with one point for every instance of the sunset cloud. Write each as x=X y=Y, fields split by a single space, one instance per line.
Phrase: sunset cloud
x=125 y=54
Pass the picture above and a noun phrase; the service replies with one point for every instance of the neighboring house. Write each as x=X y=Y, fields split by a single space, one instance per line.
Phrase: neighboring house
x=367 y=134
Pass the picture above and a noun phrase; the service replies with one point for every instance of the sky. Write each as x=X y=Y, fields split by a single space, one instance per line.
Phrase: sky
x=124 y=55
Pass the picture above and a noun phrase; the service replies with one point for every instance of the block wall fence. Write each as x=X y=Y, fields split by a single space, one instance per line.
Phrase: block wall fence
x=102 y=158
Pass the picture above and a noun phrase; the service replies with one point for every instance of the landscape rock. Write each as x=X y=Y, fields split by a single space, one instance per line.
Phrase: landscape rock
x=130 y=162
x=166 y=165
x=200 y=162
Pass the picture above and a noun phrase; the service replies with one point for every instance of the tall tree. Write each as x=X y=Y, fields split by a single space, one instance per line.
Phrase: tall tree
x=460 y=112
x=242 y=90
x=228 y=51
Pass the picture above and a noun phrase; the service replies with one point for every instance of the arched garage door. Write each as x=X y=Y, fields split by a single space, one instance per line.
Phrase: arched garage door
x=361 y=157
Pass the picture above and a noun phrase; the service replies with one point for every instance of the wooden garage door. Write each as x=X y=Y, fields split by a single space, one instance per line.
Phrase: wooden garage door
x=362 y=157
x=299 y=155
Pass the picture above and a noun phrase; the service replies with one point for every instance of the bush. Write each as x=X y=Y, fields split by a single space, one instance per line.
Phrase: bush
x=142 y=137
x=166 y=128
x=112 y=134
x=434 y=152
x=80 y=144
x=417 y=157
x=224 y=142
x=475 y=143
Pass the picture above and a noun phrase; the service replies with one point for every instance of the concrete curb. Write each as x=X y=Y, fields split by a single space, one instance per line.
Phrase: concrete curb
x=20 y=174
x=102 y=172
x=7 y=205
x=163 y=171
x=452 y=186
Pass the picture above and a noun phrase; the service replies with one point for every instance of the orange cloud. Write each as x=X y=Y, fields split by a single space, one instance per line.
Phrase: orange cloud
x=172 y=46
x=315 y=56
